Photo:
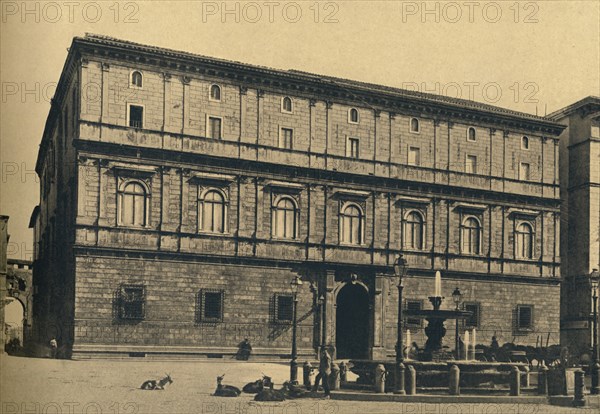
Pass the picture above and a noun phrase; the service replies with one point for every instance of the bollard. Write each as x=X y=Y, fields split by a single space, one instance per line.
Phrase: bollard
x=343 y=372
x=542 y=380
x=411 y=380
x=579 y=400
x=454 y=381
x=380 y=375
x=306 y=377
x=515 y=381
x=334 y=378
x=525 y=376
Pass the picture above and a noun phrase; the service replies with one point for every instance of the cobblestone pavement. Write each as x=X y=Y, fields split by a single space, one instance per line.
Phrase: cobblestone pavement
x=33 y=385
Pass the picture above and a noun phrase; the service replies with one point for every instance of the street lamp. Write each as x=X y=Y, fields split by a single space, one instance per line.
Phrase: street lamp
x=456 y=297
x=294 y=284
x=595 y=389
x=400 y=268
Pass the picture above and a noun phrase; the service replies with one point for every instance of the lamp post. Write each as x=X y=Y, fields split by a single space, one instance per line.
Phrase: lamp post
x=400 y=268
x=321 y=302
x=456 y=297
x=294 y=284
x=595 y=389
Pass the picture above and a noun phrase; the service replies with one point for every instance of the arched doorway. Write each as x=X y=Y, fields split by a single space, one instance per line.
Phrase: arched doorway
x=352 y=322
x=14 y=315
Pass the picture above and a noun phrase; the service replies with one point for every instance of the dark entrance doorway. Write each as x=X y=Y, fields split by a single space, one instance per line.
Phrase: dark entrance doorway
x=352 y=322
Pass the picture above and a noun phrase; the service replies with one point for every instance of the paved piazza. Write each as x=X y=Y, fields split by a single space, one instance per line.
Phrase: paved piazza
x=32 y=385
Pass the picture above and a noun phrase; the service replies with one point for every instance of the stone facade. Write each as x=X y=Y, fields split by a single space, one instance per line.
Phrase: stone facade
x=92 y=154
x=580 y=210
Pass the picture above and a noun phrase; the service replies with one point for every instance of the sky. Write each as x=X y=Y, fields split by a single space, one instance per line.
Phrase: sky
x=529 y=56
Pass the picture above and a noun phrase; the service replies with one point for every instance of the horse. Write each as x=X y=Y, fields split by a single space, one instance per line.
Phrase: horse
x=157 y=384
x=225 y=390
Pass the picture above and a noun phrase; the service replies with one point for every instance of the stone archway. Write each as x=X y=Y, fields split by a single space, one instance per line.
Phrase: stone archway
x=352 y=322
x=14 y=319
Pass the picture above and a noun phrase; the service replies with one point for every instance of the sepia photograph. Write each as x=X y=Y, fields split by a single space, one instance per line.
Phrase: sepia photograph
x=299 y=207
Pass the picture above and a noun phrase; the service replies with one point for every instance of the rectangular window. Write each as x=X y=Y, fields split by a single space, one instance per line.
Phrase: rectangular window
x=286 y=138
x=414 y=156
x=136 y=116
x=471 y=164
x=413 y=305
x=524 y=171
x=352 y=147
x=524 y=317
x=284 y=308
x=209 y=306
x=214 y=127
x=132 y=300
x=473 y=320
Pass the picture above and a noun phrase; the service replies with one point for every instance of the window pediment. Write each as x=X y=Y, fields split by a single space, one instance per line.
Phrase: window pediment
x=284 y=186
x=212 y=177
x=467 y=207
x=524 y=214
x=133 y=169
x=347 y=193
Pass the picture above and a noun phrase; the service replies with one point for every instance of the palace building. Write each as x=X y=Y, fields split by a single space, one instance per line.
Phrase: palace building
x=181 y=194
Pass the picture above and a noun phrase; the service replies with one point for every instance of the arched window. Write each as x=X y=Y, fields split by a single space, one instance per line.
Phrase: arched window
x=525 y=143
x=414 y=125
x=524 y=241
x=351 y=223
x=215 y=93
x=471 y=134
x=471 y=236
x=213 y=212
x=413 y=231
x=284 y=218
x=133 y=200
x=136 y=79
x=353 y=116
x=286 y=104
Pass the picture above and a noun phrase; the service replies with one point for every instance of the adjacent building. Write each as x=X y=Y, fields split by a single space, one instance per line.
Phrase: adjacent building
x=580 y=212
x=181 y=194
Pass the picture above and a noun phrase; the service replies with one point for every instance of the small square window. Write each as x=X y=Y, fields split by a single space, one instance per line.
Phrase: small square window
x=287 y=105
x=471 y=134
x=413 y=305
x=524 y=316
x=286 y=138
x=136 y=116
x=353 y=116
x=284 y=308
x=132 y=300
x=352 y=147
x=136 y=79
x=415 y=126
x=214 y=128
x=209 y=306
x=414 y=156
x=472 y=321
x=525 y=143
x=215 y=93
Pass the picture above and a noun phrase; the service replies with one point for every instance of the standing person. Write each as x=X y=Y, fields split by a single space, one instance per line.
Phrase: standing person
x=324 y=372
x=53 y=348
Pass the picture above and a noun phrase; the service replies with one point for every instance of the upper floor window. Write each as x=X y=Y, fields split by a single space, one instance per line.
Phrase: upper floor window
x=351 y=224
x=284 y=308
x=471 y=236
x=132 y=301
x=215 y=93
x=212 y=207
x=413 y=231
x=471 y=164
x=352 y=147
x=136 y=116
x=136 y=79
x=471 y=134
x=284 y=218
x=214 y=127
x=133 y=204
x=524 y=170
x=353 y=116
x=287 y=105
x=209 y=306
x=414 y=156
x=414 y=125
x=286 y=138
x=524 y=241
x=525 y=143
x=473 y=320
